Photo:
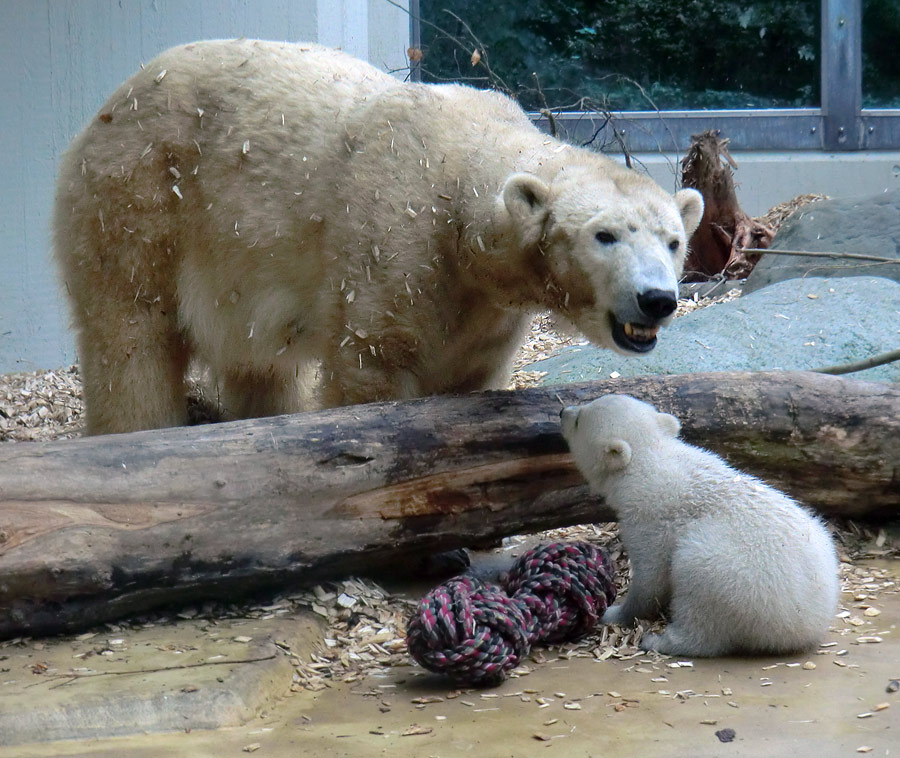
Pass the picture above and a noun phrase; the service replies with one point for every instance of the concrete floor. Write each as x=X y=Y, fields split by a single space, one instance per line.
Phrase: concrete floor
x=576 y=707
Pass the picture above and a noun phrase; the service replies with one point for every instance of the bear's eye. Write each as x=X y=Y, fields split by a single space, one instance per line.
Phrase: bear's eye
x=605 y=238
x=673 y=245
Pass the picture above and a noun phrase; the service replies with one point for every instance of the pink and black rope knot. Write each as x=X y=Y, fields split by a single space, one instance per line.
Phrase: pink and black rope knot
x=470 y=630
x=565 y=586
x=475 y=632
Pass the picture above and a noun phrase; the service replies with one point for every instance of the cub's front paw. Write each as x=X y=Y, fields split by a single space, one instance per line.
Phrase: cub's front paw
x=650 y=641
x=615 y=615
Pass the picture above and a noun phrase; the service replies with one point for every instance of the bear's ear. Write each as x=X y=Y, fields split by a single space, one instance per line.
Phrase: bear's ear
x=690 y=205
x=526 y=200
x=669 y=425
x=618 y=455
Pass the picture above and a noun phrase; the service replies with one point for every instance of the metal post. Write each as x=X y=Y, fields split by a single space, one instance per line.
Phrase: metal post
x=841 y=74
x=415 y=40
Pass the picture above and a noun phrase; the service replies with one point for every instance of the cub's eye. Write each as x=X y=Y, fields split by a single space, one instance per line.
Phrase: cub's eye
x=605 y=238
x=673 y=245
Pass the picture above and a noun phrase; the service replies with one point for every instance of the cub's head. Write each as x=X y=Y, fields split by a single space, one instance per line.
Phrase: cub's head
x=611 y=248
x=604 y=435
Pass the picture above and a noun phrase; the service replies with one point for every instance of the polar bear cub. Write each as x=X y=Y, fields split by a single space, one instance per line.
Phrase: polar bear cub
x=737 y=566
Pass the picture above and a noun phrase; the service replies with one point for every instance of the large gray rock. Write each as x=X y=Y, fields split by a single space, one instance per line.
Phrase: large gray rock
x=793 y=325
x=867 y=225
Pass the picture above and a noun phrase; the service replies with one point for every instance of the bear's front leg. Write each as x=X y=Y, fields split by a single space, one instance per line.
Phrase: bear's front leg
x=639 y=603
x=648 y=593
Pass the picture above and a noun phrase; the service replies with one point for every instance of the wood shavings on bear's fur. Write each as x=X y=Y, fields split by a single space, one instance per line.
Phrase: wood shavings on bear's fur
x=256 y=243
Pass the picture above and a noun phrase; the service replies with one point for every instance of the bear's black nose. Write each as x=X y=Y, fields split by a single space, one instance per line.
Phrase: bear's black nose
x=657 y=304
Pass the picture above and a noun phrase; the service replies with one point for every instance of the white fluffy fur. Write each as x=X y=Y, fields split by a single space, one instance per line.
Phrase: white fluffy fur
x=280 y=211
x=737 y=566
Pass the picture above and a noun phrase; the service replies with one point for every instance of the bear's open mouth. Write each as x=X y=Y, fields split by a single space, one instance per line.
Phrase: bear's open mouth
x=634 y=337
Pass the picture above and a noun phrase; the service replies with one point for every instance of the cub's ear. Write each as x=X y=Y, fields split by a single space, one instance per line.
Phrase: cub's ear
x=669 y=425
x=526 y=199
x=618 y=455
x=690 y=205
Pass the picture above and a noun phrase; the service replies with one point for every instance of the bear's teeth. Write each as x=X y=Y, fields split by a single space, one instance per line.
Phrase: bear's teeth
x=640 y=332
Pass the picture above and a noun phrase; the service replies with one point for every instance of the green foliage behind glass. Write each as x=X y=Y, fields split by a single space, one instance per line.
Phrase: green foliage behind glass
x=881 y=61
x=633 y=54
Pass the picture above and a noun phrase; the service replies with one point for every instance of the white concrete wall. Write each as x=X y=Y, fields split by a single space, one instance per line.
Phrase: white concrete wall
x=765 y=179
x=60 y=60
x=371 y=29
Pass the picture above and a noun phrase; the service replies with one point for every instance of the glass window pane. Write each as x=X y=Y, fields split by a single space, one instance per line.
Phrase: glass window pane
x=630 y=54
x=881 y=62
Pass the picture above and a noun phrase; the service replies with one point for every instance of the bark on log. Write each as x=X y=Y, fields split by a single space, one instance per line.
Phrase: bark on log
x=97 y=528
x=718 y=245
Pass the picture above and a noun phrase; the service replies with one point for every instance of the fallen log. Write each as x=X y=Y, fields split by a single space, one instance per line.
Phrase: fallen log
x=98 y=528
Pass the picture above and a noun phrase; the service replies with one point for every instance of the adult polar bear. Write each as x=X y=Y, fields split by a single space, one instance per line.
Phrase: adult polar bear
x=275 y=210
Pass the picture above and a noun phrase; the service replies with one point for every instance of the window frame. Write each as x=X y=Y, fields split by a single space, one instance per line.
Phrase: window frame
x=840 y=123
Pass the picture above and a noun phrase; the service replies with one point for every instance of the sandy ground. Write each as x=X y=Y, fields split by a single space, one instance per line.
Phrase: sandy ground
x=838 y=700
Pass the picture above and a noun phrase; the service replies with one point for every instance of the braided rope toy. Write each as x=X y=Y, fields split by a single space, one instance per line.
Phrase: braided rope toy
x=476 y=631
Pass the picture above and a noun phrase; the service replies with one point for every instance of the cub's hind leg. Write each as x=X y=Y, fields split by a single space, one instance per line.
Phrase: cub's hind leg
x=683 y=641
x=708 y=614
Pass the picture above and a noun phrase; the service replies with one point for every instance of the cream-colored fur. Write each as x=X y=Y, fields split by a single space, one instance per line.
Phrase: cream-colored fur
x=277 y=212
x=738 y=566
